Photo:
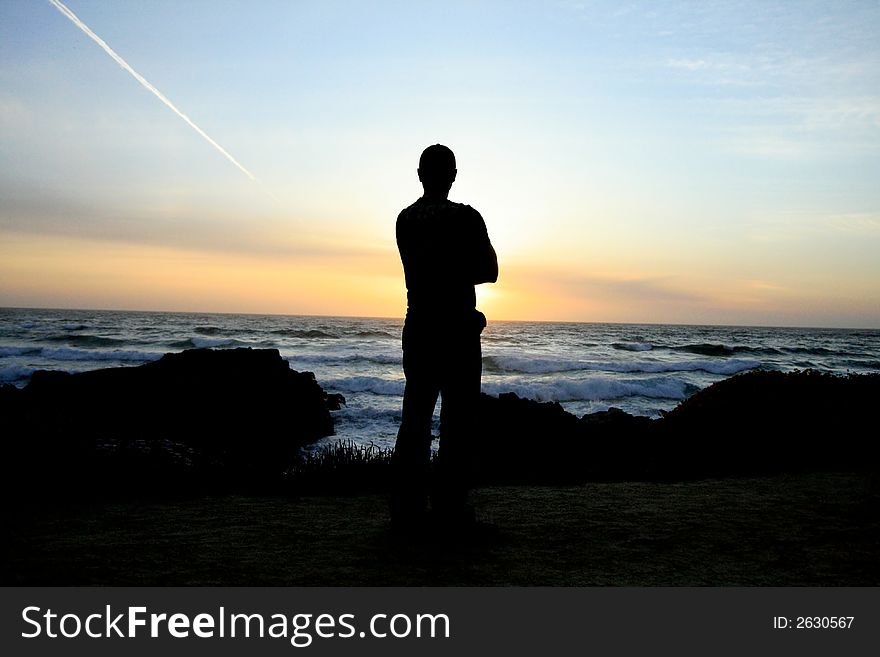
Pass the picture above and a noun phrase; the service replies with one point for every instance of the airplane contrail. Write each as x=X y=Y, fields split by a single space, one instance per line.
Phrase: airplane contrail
x=149 y=87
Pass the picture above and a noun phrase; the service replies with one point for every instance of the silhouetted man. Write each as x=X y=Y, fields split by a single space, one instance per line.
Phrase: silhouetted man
x=445 y=251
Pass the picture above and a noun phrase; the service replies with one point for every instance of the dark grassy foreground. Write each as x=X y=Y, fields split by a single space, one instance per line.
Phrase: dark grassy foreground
x=789 y=530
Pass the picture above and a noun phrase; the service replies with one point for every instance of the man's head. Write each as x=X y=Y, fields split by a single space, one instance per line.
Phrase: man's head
x=437 y=170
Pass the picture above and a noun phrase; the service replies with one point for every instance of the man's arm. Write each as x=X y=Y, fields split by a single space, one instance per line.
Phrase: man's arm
x=484 y=261
x=486 y=270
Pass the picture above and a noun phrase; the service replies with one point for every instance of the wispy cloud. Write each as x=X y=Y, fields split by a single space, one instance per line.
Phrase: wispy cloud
x=190 y=230
x=811 y=226
x=792 y=127
x=689 y=64
x=14 y=115
x=759 y=285
x=858 y=223
x=621 y=289
x=714 y=69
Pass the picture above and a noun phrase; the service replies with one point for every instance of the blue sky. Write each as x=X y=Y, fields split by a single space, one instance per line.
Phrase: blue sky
x=706 y=162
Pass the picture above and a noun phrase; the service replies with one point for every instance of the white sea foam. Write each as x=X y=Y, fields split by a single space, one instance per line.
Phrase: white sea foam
x=390 y=411
x=505 y=364
x=6 y=352
x=633 y=346
x=296 y=359
x=15 y=373
x=71 y=354
x=372 y=384
x=593 y=389
x=517 y=364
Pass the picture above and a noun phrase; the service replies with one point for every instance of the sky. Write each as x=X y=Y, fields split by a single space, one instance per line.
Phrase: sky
x=657 y=162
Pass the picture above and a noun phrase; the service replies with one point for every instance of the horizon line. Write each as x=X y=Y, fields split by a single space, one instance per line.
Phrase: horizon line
x=401 y=318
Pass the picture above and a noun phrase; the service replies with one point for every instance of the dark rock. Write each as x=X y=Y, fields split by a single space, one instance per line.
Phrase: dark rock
x=238 y=413
x=522 y=440
x=334 y=401
x=751 y=424
x=241 y=416
x=515 y=434
x=760 y=422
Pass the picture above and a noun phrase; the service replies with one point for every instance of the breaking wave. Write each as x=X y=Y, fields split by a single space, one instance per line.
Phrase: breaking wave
x=633 y=346
x=516 y=365
x=309 y=334
x=595 y=389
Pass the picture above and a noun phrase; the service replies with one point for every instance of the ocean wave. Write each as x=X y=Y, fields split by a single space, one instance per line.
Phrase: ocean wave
x=811 y=351
x=309 y=334
x=330 y=359
x=208 y=343
x=73 y=354
x=368 y=421
x=706 y=349
x=491 y=337
x=595 y=389
x=372 y=384
x=633 y=346
x=725 y=367
x=368 y=413
x=74 y=327
x=862 y=364
x=208 y=330
x=86 y=340
x=374 y=334
x=592 y=389
x=15 y=374
x=516 y=365
x=713 y=349
x=6 y=352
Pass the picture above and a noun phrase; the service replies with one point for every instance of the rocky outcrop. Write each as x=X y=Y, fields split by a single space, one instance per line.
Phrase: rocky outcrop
x=753 y=423
x=761 y=422
x=237 y=413
x=239 y=416
x=525 y=441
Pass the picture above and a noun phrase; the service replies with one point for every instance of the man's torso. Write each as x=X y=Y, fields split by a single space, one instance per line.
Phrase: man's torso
x=439 y=243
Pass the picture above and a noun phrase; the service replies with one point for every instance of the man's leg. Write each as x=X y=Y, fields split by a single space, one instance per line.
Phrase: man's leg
x=460 y=396
x=412 y=450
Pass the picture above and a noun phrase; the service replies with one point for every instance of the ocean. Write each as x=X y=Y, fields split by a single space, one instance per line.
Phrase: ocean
x=643 y=369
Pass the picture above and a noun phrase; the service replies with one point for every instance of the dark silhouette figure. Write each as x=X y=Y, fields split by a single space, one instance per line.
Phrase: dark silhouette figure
x=445 y=251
